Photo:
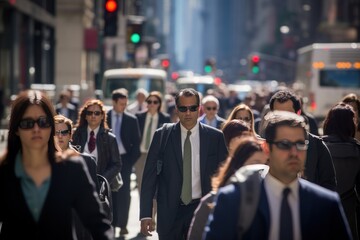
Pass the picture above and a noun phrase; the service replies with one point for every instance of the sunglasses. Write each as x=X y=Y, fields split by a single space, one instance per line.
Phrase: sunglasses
x=96 y=113
x=152 y=102
x=62 y=132
x=29 y=123
x=287 y=145
x=211 y=108
x=192 y=108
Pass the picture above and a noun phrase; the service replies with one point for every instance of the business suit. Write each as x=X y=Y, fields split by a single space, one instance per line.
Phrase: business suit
x=70 y=188
x=169 y=180
x=72 y=111
x=130 y=138
x=219 y=120
x=321 y=214
x=139 y=166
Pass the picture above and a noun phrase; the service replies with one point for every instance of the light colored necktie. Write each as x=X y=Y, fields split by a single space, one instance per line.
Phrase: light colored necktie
x=148 y=134
x=117 y=129
x=286 y=226
x=186 y=190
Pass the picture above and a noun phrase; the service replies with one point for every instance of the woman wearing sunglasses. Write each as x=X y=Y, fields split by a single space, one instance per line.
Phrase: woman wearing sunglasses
x=39 y=192
x=93 y=136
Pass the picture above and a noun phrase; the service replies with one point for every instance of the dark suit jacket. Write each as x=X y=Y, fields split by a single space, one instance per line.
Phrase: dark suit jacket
x=163 y=118
x=70 y=188
x=321 y=214
x=109 y=161
x=169 y=181
x=73 y=113
x=219 y=121
x=130 y=136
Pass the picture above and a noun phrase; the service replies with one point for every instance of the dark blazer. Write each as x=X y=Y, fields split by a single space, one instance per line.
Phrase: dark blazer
x=169 y=180
x=73 y=113
x=130 y=135
x=109 y=161
x=321 y=214
x=70 y=188
x=319 y=167
x=219 y=120
x=163 y=118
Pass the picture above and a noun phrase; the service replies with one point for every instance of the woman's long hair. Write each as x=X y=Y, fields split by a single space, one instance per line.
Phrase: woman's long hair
x=82 y=113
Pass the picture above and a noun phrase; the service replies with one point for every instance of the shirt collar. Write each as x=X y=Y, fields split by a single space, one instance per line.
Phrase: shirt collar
x=96 y=130
x=195 y=129
x=277 y=187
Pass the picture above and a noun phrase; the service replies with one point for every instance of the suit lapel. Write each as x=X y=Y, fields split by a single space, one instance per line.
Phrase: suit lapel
x=305 y=210
x=176 y=141
x=204 y=144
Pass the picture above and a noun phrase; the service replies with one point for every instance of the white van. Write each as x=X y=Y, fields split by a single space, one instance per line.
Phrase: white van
x=132 y=79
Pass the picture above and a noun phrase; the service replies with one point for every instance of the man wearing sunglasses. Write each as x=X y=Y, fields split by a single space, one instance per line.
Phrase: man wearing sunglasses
x=288 y=207
x=211 y=107
x=319 y=167
x=190 y=157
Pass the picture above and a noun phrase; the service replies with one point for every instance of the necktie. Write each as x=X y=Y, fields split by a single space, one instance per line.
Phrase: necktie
x=148 y=134
x=117 y=129
x=140 y=107
x=286 y=226
x=92 y=141
x=186 y=195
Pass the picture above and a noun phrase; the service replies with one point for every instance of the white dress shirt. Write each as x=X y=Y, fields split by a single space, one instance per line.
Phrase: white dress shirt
x=274 y=192
x=113 y=126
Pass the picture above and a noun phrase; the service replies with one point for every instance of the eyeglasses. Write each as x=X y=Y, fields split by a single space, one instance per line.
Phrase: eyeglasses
x=29 y=123
x=152 y=102
x=211 y=108
x=192 y=108
x=287 y=145
x=90 y=113
x=62 y=132
x=246 y=119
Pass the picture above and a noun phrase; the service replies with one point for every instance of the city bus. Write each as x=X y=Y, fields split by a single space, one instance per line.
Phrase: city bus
x=200 y=83
x=325 y=73
x=132 y=79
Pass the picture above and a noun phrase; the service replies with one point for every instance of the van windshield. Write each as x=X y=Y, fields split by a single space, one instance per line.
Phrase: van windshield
x=132 y=84
x=340 y=78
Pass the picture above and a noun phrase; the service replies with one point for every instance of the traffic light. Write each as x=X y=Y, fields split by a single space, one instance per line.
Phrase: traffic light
x=110 y=17
x=165 y=63
x=210 y=65
x=255 y=60
x=134 y=33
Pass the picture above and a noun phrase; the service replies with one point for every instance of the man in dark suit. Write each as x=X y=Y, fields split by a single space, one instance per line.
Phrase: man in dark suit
x=191 y=156
x=289 y=207
x=126 y=129
x=65 y=108
x=319 y=167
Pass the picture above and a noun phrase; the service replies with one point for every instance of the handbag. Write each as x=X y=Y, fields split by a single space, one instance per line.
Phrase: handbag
x=105 y=197
x=117 y=183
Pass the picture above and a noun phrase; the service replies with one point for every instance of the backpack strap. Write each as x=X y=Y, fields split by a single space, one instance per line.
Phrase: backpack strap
x=248 y=179
x=166 y=130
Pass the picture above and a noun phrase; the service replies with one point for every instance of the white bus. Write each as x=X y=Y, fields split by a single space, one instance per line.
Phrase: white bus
x=132 y=79
x=200 y=83
x=326 y=72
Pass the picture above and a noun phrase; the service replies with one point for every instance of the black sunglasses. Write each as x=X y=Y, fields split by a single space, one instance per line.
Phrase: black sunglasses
x=211 y=108
x=29 y=123
x=62 y=132
x=90 y=113
x=192 y=108
x=154 y=102
x=287 y=145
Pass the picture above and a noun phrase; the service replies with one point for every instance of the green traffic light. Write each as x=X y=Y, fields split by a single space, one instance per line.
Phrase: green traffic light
x=208 y=69
x=135 y=38
x=255 y=69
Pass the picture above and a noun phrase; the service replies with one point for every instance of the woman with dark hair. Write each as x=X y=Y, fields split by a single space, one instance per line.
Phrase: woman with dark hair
x=339 y=132
x=353 y=100
x=234 y=131
x=41 y=186
x=248 y=151
x=93 y=136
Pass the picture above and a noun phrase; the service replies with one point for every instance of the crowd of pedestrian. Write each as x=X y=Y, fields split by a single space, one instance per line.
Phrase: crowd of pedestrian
x=187 y=159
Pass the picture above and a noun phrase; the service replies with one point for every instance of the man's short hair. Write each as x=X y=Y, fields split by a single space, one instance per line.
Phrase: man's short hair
x=119 y=93
x=210 y=98
x=187 y=92
x=275 y=119
x=283 y=96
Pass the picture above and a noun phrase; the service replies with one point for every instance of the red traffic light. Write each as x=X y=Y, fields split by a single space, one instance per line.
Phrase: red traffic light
x=111 y=5
x=165 y=63
x=255 y=59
